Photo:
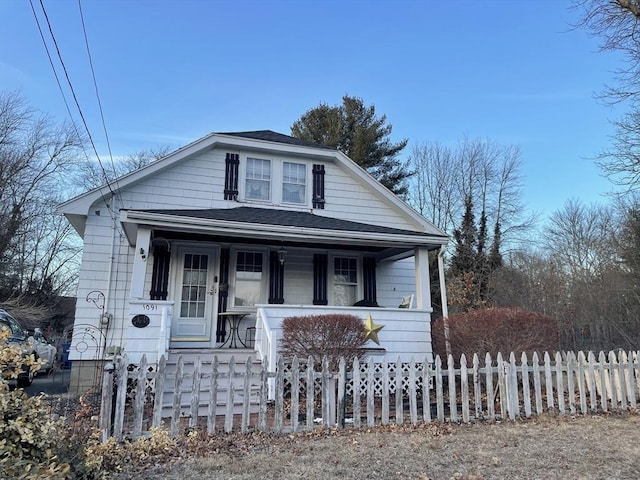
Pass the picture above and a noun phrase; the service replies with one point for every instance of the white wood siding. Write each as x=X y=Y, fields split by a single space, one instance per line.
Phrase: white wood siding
x=298 y=277
x=197 y=183
x=348 y=199
x=394 y=280
x=94 y=277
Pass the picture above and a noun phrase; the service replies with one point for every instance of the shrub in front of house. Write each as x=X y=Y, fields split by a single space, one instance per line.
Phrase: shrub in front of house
x=331 y=335
x=496 y=330
x=29 y=433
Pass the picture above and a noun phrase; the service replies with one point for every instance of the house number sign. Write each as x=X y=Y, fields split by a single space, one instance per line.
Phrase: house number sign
x=140 y=321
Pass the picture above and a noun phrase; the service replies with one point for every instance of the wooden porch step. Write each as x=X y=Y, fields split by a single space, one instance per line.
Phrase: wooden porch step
x=206 y=357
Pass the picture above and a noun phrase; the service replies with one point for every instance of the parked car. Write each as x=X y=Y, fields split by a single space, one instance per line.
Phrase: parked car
x=45 y=350
x=20 y=339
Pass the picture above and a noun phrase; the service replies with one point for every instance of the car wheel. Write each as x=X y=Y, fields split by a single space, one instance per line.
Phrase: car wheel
x=26 y=380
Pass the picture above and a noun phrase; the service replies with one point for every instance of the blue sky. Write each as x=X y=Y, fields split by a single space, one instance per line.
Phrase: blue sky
x=169 y=72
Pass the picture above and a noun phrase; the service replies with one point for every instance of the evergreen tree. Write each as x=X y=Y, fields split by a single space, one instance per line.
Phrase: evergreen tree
x=495 y=257
x=466 y=237
x=355 y=130
x=471 y=266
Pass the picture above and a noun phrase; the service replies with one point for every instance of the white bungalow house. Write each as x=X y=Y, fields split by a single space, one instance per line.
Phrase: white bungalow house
x=210 y=247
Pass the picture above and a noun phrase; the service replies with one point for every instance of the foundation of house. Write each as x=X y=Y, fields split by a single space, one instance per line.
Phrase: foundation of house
x=86 y=375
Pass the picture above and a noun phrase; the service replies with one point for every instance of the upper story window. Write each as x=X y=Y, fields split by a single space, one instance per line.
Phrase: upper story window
x=258 y=179
x=294 y=182
x=279 y=181
x=345 y=280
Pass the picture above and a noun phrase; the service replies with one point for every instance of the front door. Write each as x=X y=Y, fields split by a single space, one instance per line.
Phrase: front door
x=196 y=297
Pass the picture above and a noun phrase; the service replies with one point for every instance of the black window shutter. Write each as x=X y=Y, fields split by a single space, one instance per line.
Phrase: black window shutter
x=231 y=176
x=223 y=294
x=318 y=186
x=369 y=279
x=276 y=279
x=320 y=263
x=160 y=274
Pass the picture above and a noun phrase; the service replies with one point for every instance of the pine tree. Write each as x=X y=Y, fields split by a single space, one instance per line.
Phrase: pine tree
x=466 y=237
x=355 y=130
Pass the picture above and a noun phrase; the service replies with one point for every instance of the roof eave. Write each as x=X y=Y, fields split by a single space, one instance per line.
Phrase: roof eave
x=131 y=219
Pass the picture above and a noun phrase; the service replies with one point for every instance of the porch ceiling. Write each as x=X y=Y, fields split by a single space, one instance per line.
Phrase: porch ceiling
x=277 y=225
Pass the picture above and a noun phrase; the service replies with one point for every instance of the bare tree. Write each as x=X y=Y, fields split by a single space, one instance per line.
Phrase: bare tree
x=37 y=157
x=431 y=191
x=97 y=173
x=482 y=171
x=617 y=24
x=581 y=237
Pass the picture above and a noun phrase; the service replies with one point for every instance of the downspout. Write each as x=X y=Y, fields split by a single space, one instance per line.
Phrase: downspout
x=109 y=276
x=443 y=300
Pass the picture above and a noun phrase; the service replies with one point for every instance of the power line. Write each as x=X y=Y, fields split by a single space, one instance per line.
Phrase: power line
x=95 y=85
x=55 y=74
x=75 y=98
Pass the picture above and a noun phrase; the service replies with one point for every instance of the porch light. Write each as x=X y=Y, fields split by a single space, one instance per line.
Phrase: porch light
x=282 y=255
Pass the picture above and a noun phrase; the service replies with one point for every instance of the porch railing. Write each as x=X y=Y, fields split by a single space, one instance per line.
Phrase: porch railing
x=151 y=338
x=406 y=333
x=165 y=332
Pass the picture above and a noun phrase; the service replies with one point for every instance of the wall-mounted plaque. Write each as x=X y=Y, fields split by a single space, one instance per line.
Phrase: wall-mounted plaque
x=140 y=321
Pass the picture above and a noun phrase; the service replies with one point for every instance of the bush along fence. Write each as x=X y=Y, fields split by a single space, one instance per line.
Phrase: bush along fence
x=203 y=393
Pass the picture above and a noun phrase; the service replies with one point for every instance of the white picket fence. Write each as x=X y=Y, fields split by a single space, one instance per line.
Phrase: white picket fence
x=236 y=398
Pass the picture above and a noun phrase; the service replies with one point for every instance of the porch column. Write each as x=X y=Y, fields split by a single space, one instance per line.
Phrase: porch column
x=423 y=288
x=443 y=298
x=140 y=256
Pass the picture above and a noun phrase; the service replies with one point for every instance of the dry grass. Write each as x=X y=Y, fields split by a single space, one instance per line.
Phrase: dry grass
x=593 y=447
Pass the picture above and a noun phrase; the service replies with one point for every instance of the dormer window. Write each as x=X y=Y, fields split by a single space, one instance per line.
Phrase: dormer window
x=294 y=183
x=258 y=179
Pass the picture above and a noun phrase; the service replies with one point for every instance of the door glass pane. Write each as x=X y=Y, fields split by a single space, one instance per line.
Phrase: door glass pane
x=194 y=286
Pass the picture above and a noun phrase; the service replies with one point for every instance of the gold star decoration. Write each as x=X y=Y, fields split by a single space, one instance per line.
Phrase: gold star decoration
x=371 y=330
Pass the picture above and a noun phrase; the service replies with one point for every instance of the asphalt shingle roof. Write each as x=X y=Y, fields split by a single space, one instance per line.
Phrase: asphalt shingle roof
x=267 y=216
x=271 y=136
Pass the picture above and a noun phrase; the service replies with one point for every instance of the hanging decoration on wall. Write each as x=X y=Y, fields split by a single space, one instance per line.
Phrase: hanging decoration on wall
x=97 y=298
x=371 y=330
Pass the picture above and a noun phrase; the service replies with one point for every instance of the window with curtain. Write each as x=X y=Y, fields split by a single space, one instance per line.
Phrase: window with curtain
x=258 y=179
x=345 y=281
x=294 y=182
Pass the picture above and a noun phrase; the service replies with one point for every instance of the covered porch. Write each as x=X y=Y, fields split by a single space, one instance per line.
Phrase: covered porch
x=225 y=279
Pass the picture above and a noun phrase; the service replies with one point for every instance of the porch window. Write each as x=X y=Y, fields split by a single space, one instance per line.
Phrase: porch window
x=258 y=179
x=248 y=279
x=294 y=180
x=194 y=286
x=345 y=281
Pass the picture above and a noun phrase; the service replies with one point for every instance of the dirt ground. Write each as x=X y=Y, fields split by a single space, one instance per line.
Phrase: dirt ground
x=591 y=447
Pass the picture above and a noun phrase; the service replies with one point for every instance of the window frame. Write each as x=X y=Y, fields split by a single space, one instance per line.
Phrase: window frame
x=305 y=200
x=233 y=270
x=276 y=181
x=270 y=181
x=332 y=276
